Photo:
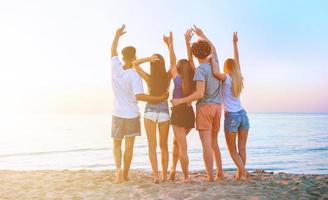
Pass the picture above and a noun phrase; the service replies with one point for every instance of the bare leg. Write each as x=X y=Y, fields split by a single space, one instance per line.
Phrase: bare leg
x=163 y=143
x=180 y=134
x=242 y=139
x=217 y=155
x=206 y=138
x=117 y=152
x=128 y=154
x=231 y=143
x=175 y=158
x=150 y=127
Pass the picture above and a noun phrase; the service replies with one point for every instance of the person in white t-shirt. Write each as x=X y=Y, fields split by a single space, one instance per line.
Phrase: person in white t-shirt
x=127 y=90
x=236 y=123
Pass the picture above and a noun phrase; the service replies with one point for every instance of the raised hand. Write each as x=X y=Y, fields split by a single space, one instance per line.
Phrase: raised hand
x=199 y=32
x=120 y=31
x=235 y=47
x=168 y=39
x=235 y=37
x=154 y=58
x=171 y=38
x=188 y=35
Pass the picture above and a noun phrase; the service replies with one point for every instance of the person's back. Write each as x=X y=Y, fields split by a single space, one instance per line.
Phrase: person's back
x=230 y=102
x=212 y=86
x=208 y=109
x=125 y=84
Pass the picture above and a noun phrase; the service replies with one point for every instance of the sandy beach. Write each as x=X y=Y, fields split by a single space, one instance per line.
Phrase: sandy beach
x=89 y=184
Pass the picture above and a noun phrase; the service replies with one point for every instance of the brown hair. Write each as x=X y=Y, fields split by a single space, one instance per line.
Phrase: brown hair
x=129 y=53
x=159 y=79
x=187 y=74
x=201 y=49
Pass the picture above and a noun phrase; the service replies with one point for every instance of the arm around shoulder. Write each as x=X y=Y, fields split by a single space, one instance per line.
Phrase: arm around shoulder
x=197 y=94
x=215 y=69
x=152 y=99
x=140 y=71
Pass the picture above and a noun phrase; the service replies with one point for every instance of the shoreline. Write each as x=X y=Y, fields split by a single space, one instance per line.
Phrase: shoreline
x=99 y=184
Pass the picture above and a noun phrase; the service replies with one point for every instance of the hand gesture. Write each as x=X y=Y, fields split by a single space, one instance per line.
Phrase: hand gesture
x=120 y=31
x=175 y=102
x=168 y=39
x=154 y=58
x=235 y=37
x=165 y=95
x=188 y=35
x=199 y=32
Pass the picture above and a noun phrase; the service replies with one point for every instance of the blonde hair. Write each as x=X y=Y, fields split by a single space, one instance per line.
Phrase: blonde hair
x=231 y=67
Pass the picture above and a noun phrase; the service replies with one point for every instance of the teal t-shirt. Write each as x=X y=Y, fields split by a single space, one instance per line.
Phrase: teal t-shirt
x=212 y=85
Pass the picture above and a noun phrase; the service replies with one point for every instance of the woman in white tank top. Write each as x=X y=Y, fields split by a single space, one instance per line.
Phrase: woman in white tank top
x=236 y=123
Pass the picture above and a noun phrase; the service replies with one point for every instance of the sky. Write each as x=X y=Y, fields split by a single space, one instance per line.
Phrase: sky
x=55 y=58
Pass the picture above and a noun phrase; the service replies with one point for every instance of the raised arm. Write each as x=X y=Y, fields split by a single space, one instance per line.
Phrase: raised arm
x=235 y=48
x=199 y=32
x=188 y=35
x=119 y=33
x=215 y=69
x=173 y=60
x=152 y=99
x=140 y=71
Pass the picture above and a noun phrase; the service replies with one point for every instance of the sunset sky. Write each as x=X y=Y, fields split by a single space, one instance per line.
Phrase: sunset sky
x=54 y=54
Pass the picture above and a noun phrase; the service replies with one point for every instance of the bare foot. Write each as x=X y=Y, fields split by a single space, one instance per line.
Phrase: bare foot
x=187 y=180
x=237 y=175
x=126 y=177
x=164 y=178
x=219 y=178
x=172 y=175
x=156 y=179
x=210 y=179
x=119 y=176
x=245 y=176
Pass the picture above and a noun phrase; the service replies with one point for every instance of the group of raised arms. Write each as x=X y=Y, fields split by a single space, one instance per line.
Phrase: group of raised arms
x=213 y=90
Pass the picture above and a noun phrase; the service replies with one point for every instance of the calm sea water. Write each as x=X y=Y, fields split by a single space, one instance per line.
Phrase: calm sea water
x=293 y=143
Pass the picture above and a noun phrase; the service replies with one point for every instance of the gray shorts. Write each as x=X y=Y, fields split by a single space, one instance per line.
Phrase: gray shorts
x=123 y=127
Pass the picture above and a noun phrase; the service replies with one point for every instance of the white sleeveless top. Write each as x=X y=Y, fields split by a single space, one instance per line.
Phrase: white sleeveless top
x=230 y=102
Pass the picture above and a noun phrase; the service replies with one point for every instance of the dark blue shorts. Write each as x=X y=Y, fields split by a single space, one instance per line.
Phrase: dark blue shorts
x=234 y=121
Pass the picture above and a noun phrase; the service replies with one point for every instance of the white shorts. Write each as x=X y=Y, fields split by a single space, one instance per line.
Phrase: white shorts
x=157 y=117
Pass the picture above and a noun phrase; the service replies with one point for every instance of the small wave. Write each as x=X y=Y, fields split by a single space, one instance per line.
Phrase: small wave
x=317 y=149
x=54 y=152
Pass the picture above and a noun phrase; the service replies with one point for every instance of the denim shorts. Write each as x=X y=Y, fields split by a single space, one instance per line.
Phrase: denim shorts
x=157 y=112
x=234 y=121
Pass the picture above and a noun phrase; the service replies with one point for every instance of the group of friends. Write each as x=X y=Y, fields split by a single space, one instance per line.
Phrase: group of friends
x=212 y=89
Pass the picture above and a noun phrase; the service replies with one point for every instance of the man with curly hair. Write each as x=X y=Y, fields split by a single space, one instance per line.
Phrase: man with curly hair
x=208 y=112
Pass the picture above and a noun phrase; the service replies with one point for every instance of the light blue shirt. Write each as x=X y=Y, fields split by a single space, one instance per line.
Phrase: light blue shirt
x=212 y=85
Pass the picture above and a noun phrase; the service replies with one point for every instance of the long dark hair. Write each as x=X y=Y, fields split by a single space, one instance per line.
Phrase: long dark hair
x=187 y=74
x=159 y=79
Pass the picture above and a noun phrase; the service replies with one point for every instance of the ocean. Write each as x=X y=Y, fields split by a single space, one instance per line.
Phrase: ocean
x=278 y=142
